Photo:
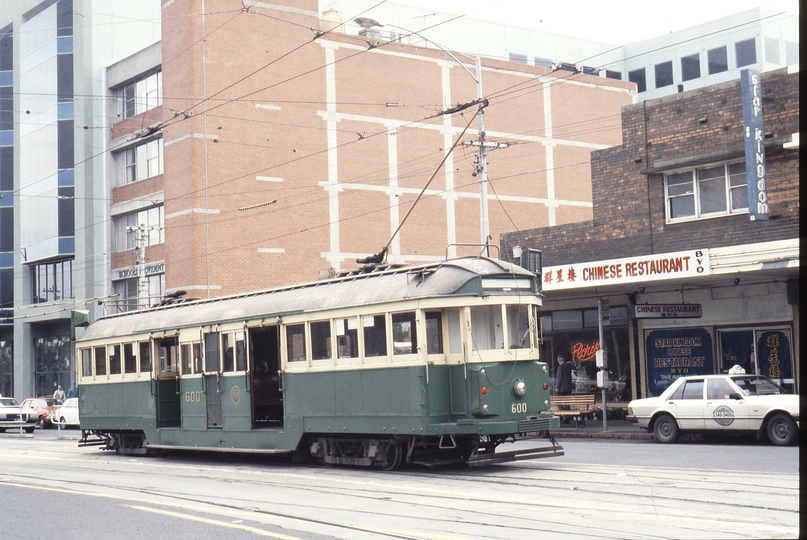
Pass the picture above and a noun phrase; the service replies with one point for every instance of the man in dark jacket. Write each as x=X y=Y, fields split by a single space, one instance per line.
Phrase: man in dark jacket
x=563 y=381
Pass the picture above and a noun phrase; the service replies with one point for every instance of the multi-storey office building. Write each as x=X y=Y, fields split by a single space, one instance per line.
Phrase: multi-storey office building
x=695 y=277
x=53 y=196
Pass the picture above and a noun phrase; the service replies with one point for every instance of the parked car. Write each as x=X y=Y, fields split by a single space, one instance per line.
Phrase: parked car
x=714 y=404
x=65 y=414
x=38 y=410
x=10 y=415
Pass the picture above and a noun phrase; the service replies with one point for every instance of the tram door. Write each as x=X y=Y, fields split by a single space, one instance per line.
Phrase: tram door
x=212 y=379
x=264 y=358
x=168 y=389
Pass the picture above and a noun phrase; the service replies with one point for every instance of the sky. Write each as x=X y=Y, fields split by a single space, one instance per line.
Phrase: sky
x=610 y=21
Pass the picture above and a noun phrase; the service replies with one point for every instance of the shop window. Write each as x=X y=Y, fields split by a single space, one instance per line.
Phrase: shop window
x=759 y=351
x=690 y=67
x=746 y=52
x=718 y=60
x=638 y=76
x=567 y=320
x=664 y=74
x=706 y=192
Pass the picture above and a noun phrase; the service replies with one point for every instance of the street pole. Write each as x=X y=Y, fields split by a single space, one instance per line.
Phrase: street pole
x=484 y=223
x=602 y=350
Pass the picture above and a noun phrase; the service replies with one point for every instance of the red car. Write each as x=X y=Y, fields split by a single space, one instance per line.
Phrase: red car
x=38 y=409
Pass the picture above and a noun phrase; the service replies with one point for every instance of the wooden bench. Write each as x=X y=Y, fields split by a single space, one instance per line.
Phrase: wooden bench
x=581 y=406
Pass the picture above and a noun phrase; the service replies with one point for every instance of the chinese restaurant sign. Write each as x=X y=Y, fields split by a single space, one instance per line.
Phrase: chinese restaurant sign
x=676 y=265
x=667 y=311
x=677 y=353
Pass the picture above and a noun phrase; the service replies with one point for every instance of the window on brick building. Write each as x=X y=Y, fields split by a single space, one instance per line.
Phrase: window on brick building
x=718 y=60
x=139 y=162
x=147 y=224
x=139 y=95
x=638 y=76
x=706 y=192
x=746 y=52
x=690 y=67
x=664 y=74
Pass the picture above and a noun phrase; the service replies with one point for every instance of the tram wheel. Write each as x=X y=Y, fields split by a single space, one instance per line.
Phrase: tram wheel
x=393 y=456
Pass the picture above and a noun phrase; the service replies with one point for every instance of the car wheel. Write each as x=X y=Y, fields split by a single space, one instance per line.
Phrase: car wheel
x=62 y=423
x=665 y=429
x=40 y=422
x=782 y=430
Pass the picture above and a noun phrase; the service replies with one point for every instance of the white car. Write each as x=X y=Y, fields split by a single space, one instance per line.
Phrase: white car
x=66 y=414
x=10 y=416
x=712 y=404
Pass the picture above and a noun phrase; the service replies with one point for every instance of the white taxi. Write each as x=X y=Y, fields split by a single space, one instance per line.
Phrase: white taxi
x=710 y=404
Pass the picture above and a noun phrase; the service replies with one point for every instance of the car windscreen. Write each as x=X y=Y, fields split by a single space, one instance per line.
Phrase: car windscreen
x=758 y=386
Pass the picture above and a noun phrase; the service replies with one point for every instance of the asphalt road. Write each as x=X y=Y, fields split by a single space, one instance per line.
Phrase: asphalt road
x=598 y=489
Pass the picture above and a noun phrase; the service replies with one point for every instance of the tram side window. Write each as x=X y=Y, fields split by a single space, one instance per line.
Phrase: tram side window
x=434 y=333
x=212 y=352
x=168 y=358
x=518 y=327
x=197 y=357
x=86 y=362
x=454 y=331
x=186 y=358
x=114 y=359
x=404 y=335
x=145 y=356
x=295 y=342
x=229 y=354
x=240 y=351
x=347 y=337
x=321 y=340
x=375 y=335
x=100 y=361
x=129 y=360
x=486 y=327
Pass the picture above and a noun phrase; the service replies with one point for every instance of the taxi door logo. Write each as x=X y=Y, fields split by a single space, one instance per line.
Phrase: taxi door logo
x=723 y=416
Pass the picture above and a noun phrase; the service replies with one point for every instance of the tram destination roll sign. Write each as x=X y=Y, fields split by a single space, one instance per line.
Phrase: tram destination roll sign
x=751 y=95
x=667 y=311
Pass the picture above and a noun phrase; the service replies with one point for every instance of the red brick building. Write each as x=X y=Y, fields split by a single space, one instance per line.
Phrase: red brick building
x=671 y=228
x=287 y=153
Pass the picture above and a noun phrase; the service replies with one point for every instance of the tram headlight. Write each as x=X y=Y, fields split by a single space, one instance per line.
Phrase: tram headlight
x=485 y=408
x=520 y=388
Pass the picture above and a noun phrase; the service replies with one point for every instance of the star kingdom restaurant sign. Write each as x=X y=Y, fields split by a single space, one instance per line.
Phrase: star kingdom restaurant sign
x=680 y=264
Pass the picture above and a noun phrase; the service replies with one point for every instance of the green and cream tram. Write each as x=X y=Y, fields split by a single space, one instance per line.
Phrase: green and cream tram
x=429 y=364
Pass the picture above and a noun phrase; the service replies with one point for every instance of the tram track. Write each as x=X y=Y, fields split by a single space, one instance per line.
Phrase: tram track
x=476 y=498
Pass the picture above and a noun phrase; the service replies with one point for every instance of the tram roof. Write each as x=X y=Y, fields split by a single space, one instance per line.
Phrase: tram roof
x=471 y=276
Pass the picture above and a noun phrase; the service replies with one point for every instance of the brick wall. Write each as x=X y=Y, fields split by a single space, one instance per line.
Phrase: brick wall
x=628 y=180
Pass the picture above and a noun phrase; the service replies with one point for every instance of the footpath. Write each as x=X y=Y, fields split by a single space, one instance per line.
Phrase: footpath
x=593 y=429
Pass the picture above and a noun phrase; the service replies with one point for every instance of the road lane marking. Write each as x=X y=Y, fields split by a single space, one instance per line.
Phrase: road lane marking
x=208 y=521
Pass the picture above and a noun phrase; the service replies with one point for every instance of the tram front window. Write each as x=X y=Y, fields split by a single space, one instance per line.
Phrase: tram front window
x=486 y=327
x=518 y=327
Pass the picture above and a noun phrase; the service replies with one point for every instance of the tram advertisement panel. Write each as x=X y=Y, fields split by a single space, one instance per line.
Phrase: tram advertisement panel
x=677 y=353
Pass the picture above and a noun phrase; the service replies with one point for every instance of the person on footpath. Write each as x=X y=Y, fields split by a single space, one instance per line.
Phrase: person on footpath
x=72 y=392
x=563 y=382
x=59 y=393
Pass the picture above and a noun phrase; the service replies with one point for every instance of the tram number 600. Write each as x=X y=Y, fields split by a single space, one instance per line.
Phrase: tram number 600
x=518 y=408
x=193 y=397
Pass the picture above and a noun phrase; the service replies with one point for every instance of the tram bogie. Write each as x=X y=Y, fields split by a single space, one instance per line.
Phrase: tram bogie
x=431 y=365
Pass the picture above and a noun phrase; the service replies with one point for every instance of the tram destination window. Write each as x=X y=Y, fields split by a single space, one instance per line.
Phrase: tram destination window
x=295 y=342
x=375 y=335
x=404 y=338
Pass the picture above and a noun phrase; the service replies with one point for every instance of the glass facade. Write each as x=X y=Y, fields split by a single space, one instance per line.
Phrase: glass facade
x=53 y=361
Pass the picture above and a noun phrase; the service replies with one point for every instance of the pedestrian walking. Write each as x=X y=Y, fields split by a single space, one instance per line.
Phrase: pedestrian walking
x=72 y=392
x=59 y=393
